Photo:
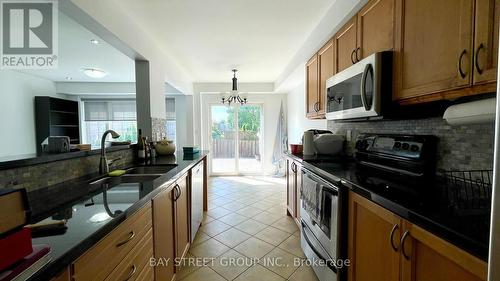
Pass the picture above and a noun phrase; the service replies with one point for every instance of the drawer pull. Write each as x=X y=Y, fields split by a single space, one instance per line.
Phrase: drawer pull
x=460 y=71
x=133 y=269
x=130 y=237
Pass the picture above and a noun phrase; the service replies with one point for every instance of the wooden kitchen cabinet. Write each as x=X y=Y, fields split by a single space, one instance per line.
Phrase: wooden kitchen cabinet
x=375 y=28
x=294 y=183
x=382 y=246
x=290 y=187
x=163 y=233
x=372 y=249
x=312 y=94
x=429 y=258
x=434 y=46
x=486 y=41
x=326 y=60
x=182 y=222
x=345 y=46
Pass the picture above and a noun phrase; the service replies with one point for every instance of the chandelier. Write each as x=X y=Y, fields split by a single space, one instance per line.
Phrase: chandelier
x=233 y=95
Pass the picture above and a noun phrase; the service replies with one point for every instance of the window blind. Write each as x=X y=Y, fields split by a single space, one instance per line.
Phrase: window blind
x=120 y=110
x=170 y=108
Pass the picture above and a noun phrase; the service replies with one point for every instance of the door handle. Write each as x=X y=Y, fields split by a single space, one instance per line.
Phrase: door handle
x=402 y=244
x=353 y=59
x=357 y=55
x=368 y=68
x=476 y=60
x=391 y=237
x=328 y=262
x=130 y=237
x=133 y=270
x=460 y=71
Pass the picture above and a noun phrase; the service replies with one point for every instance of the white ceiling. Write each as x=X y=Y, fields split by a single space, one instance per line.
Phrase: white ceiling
x=76 y=52
x=209 y=38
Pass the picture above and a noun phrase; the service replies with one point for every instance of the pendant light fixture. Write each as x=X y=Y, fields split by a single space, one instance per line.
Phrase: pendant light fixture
x=233 y=95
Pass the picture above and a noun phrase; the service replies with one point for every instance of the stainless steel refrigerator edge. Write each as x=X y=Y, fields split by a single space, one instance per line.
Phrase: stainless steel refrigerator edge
x=494 y=255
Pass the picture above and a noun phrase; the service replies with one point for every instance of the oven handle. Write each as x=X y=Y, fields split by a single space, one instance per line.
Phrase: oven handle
x=318 y=179
x=368 y=67
x=320 y=256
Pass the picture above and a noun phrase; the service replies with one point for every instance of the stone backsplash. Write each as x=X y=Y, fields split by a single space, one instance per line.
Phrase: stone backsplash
x=459 y=148
x=47 y=174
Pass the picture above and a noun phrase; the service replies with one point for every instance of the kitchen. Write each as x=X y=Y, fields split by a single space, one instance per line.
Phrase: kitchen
x=365 y=152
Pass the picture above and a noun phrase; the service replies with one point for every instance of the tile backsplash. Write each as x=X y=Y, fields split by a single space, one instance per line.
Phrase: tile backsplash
x=47 y=174
x=467 y=147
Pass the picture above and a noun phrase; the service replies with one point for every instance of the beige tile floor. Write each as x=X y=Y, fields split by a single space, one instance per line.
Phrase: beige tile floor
x=247 y=223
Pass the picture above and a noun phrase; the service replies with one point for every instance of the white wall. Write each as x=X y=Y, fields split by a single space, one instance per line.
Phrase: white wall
x=296 y=109
x=271 y=106
x=17 y=111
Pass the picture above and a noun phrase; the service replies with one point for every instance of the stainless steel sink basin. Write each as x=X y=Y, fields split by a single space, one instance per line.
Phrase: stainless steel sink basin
x=125 y=179
x=150 y=170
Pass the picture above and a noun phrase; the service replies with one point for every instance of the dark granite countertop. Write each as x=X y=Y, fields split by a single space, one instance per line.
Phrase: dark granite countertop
x=81 y=204
x=426 y=205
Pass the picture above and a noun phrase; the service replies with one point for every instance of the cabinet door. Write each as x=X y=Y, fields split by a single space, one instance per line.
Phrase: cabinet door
x=298 y=186
x=290 y=185
x=486 y=41
x=312 y=78
x=182 y=218
x=429 y=258
x=326 y=60
x=373 y=241
x=375 y=28
x=434 y=52
x=163 y=234
x=345 y=46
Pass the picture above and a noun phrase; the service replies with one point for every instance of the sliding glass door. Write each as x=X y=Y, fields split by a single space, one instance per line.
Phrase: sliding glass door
x=235 y=139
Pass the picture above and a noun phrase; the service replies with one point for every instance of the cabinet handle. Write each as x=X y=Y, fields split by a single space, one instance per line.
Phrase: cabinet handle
x=402 y=244
x=391 y=237
x=460 y=71
x=357 y=56
x=294 y=166
x=316 y=106
x=476 y=62
x=130 y=237
x=133 y=269
x=353 y=60
x=178 y=192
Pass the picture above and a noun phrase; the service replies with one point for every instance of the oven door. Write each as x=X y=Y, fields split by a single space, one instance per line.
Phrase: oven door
x=355 y=92
x=320 y=211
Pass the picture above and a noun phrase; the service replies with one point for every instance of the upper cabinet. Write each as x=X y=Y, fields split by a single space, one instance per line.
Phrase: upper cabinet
x=375 y=28
x=435 y=46
x=312 y=94
x=486 y=41
x=345 y=46
x=445 y=49
x=326 y=60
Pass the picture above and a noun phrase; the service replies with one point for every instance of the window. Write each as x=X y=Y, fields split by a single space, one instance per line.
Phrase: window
x=171 y=125
x=102 y=115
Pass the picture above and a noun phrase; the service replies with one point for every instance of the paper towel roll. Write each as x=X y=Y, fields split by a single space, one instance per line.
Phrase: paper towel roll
x=476 y=112
x=308 y=143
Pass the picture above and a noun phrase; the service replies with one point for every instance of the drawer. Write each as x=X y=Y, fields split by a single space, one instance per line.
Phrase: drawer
x=131 y=266
x=98 y=262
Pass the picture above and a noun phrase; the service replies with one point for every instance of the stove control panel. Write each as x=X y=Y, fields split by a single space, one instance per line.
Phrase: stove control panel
x=407 y=146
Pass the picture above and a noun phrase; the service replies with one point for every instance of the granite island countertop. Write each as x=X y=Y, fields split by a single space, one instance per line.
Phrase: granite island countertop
x=81 y=204
x=426 y=205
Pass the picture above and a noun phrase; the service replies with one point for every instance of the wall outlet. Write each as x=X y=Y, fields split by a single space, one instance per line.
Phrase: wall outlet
x=348 y=135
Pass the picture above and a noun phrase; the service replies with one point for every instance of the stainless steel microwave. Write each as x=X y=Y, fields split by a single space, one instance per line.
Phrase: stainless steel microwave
x=361 y=91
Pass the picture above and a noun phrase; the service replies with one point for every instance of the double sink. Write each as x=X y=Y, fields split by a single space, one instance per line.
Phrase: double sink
x=137 y=174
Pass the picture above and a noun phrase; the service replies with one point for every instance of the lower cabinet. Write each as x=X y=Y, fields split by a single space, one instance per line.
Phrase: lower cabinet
x=171 y=228
x=113 y=251
x=383 y=246
x=294 y=182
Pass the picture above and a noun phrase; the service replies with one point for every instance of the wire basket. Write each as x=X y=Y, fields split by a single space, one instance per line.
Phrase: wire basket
x=469 y=192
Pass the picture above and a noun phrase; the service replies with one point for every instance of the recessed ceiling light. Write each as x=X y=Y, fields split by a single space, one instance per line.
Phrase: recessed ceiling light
x=94 y=73
x=94 y=41
x=68 y=78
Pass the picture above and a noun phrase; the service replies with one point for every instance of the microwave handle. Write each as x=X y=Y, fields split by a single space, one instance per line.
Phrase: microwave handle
x=368 y=67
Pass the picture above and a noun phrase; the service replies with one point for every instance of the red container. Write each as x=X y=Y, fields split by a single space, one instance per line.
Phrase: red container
x=15 y=247
x=296 y=148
